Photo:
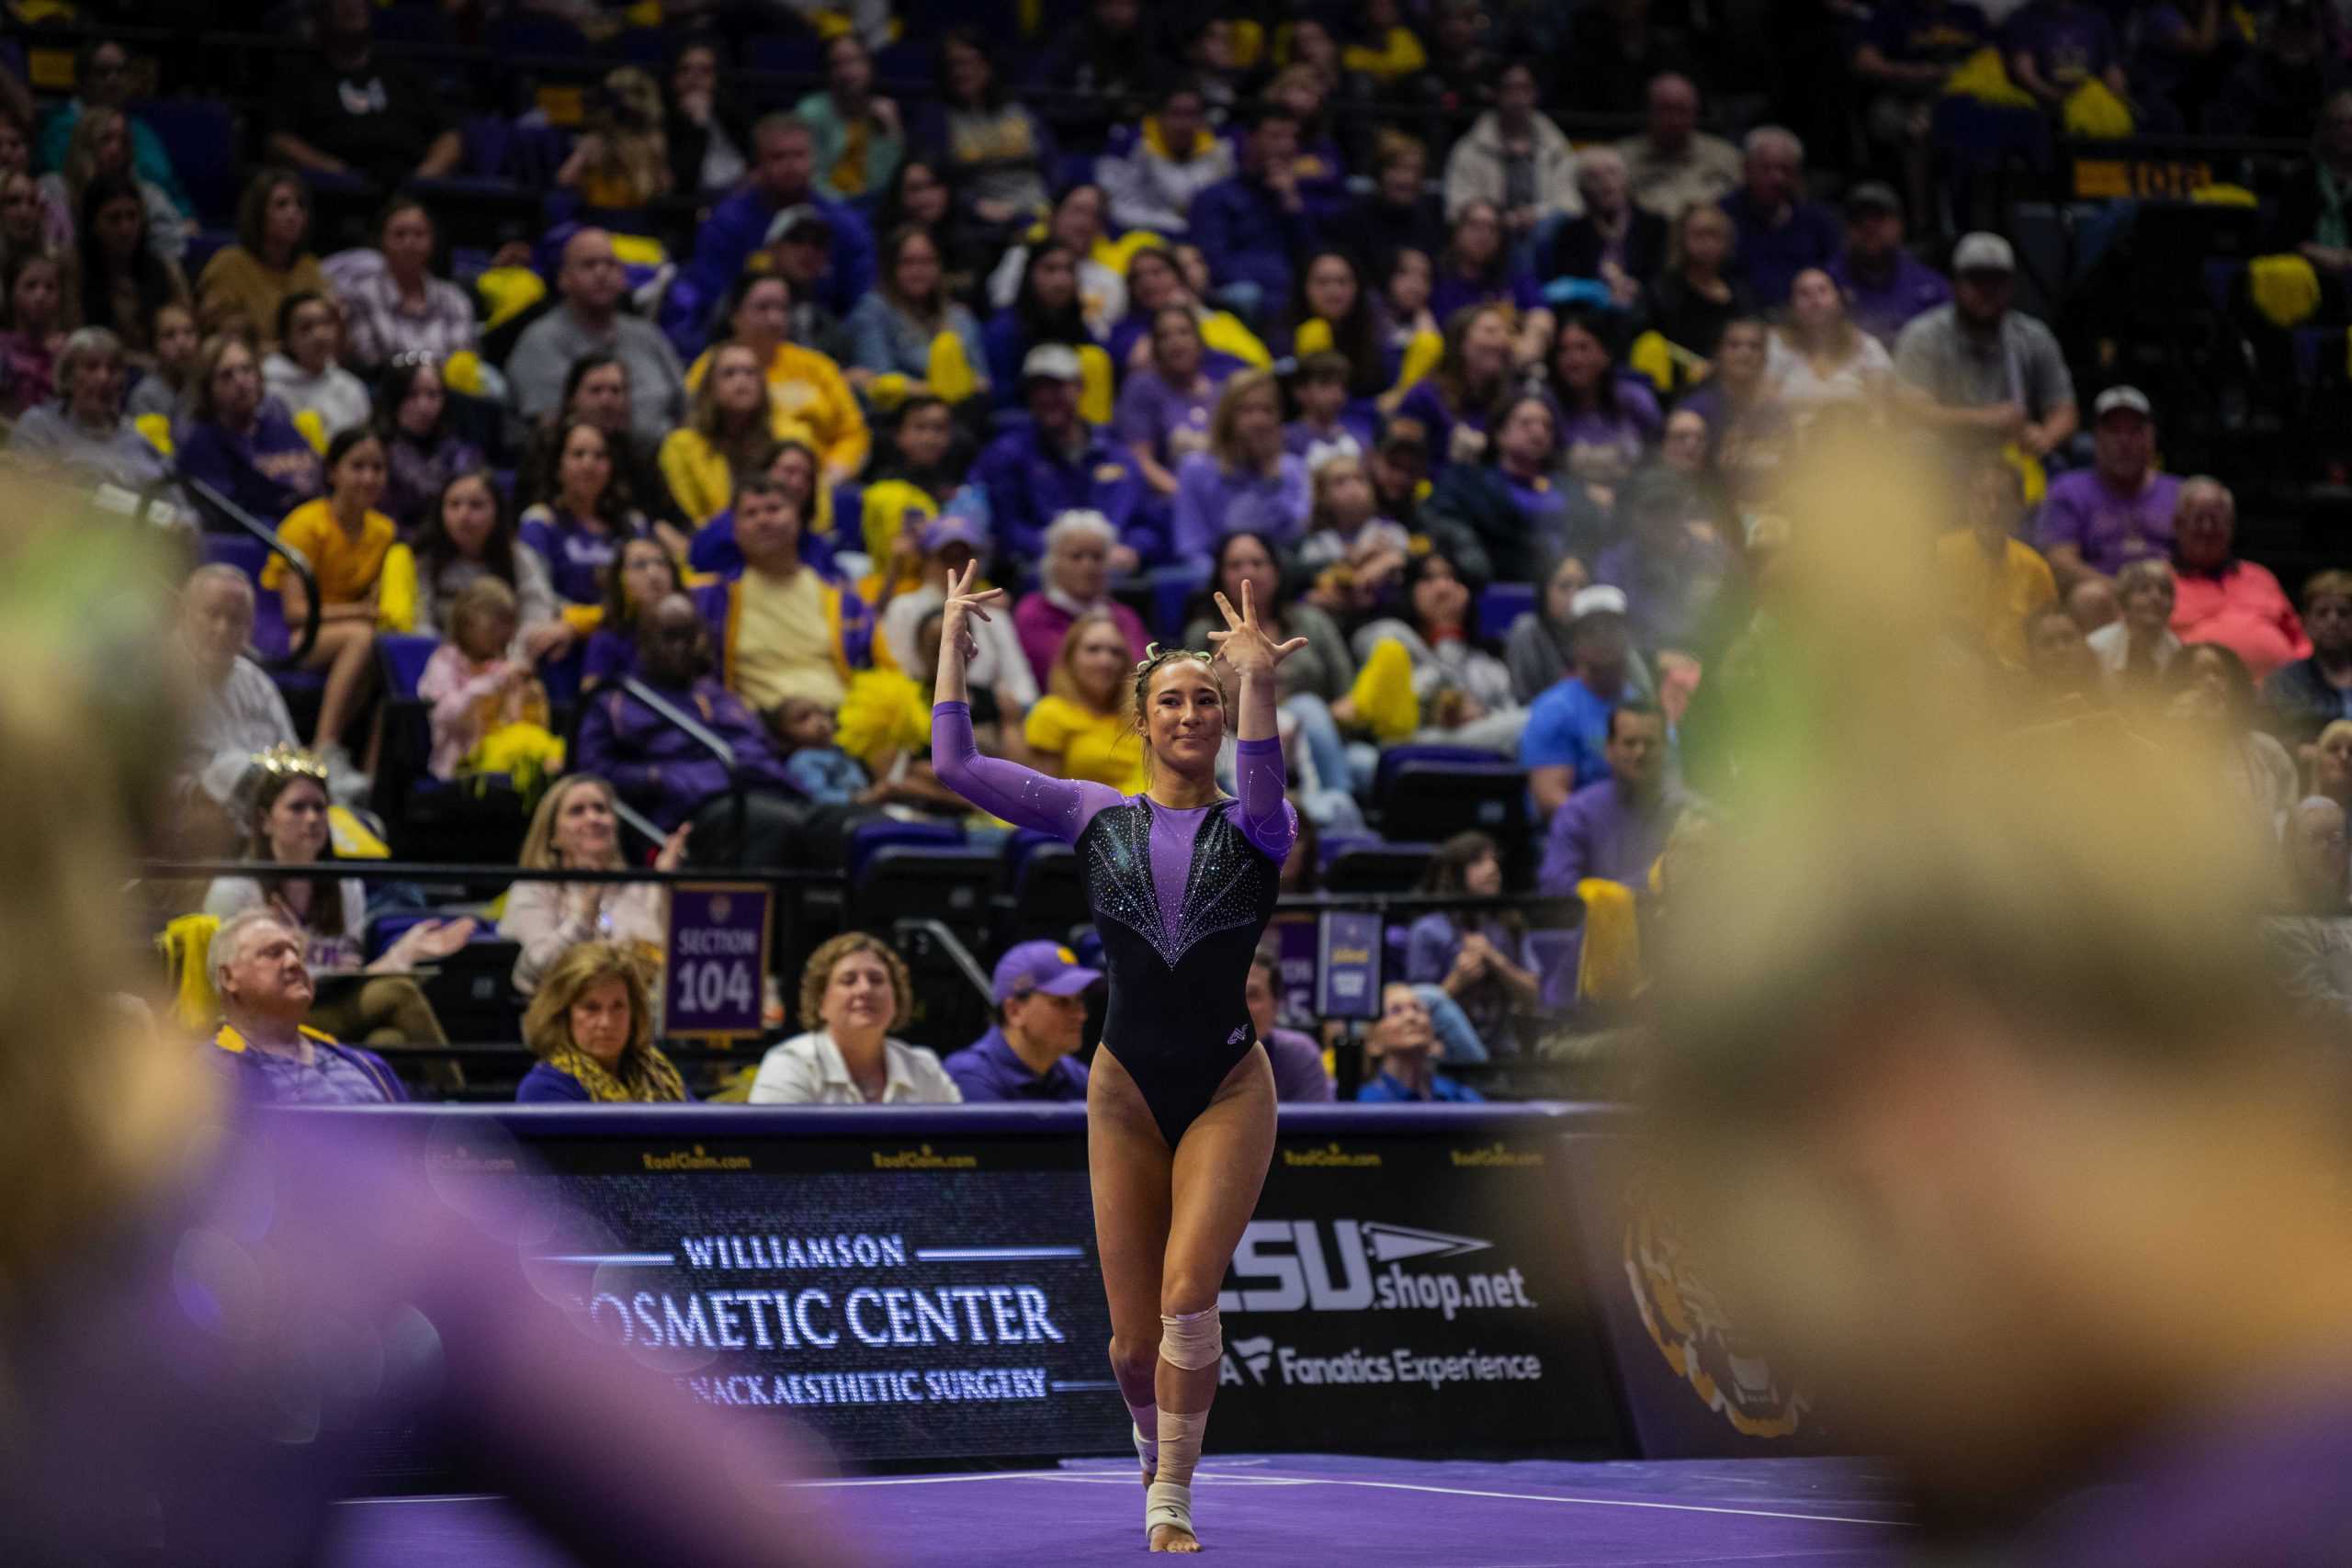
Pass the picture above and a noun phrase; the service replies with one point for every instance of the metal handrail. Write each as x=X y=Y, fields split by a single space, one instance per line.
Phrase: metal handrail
x=267 y=535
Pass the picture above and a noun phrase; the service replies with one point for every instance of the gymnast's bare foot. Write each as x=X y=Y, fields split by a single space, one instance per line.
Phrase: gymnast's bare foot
x=1174 y=1538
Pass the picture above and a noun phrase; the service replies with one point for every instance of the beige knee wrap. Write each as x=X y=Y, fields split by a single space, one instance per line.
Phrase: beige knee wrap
x=1190 y=1340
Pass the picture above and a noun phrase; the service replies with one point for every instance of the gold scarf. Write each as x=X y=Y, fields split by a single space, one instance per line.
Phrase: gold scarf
x=653 y=1076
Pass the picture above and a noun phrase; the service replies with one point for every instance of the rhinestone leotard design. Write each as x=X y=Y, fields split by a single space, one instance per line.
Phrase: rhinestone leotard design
x=1181 y=898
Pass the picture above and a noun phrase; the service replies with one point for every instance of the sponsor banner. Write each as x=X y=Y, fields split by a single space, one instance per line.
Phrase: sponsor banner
x=718 y=943
x=1412 y=1292
x=1694 y=1387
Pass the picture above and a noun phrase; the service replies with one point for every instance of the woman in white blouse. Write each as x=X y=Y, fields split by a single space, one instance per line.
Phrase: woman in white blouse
x=854 y=991
x=1819 y=358
x=574 y=829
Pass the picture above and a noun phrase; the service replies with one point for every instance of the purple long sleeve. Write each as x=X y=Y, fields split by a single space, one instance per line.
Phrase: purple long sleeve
x=1268 y=821
x=1023 y=796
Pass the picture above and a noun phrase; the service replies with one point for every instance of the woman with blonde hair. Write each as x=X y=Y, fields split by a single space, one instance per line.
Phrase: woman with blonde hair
x=1697 y=294
x=726 y=437
x=1245 y=480
x=576 y=829
x=623 y=158
x=592 y=1028
x=1077 y=730
x=854 y=992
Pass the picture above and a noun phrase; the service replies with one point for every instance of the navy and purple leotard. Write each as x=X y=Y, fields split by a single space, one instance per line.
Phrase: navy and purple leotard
x=1181 y=898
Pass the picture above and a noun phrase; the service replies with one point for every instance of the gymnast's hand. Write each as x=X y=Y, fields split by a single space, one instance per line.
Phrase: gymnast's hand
x=1244 y=645
x=964 y=608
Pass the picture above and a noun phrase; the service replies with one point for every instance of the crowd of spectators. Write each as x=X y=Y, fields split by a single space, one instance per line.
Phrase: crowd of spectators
x=1346 y=303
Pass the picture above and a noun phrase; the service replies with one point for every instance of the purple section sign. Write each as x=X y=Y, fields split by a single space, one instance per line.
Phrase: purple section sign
x=718 y=954
x=1346 y=981
x=1295 y=936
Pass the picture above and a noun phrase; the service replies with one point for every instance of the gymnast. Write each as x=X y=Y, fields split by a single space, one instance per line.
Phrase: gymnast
x=1180 y=1106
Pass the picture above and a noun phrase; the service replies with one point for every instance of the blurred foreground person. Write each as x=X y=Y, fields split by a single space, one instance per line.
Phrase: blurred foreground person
x=1984 y=1118
x=210 y=1313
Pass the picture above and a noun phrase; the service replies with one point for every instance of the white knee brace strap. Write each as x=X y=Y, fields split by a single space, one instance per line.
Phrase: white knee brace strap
x=1190 y=1340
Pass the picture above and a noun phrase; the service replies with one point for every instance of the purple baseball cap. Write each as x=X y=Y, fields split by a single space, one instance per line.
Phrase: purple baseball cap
x=1046 y=967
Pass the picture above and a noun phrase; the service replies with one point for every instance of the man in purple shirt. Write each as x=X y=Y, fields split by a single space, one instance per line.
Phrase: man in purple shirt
x=1030 y=1053
x=651 y=761
x=2095 y=521
x=1781 y=233
x=1616 y=829
x=1883 y=283
x=1253 y=227
x=1058 y=463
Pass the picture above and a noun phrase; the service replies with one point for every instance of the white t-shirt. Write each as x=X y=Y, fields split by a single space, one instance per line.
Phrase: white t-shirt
x=808 y=1069
x=325 y=955
x=1806 y=391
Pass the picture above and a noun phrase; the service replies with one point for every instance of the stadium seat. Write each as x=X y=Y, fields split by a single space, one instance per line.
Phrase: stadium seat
x=869 y=836
x=1047 y=885
x=546 y=37
x=478 y=819
x=1372 y=865
x=953 y=884
x=1427 y=798
x=798 y=52
x=1500 y=605
x=202 y=135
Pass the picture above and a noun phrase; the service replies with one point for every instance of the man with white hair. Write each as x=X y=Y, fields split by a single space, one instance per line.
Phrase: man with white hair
x=1672 y=163
x=1614 y=240
x=238 y=711
x=1077 y=583
x=1781 y=233
x=266 y=993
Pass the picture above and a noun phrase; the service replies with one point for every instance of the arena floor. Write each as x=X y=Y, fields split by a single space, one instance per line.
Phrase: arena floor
x=1285 y=1510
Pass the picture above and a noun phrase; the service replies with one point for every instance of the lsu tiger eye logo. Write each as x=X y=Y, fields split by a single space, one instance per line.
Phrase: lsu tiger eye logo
x=1690 y=1331
x=722 y=905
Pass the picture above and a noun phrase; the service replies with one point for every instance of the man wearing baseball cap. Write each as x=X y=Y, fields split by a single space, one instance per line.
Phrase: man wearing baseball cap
x=1041 y=1017
x=2098 y=520
x=1564 y=746
x=1980 y=373
x=1058 y=463
x=1885 y=286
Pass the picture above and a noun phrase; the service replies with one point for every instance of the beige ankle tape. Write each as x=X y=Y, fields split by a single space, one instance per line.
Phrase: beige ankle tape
x=1179 y=1446
x=1190 y=1340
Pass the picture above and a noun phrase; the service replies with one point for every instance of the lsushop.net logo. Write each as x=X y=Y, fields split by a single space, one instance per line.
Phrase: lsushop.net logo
x=1287 y=1265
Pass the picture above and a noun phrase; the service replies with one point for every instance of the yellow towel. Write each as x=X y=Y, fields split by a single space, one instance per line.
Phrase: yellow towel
x=186 y=947
x=1095 y=397
x=396 y=591
x=352 y=837
x=1609 y=965
x=1421 y=356
x=1983 y=76
x=314 y=427
x=463 y=373
x=2285 y=288
x=1653 y=358
x=2030 y=470
x=1382 y=693
x=157 y=429
x=2093 y=109
x=1222 y=330
x=950 y=372
x=2224 y=196
x=506 y=292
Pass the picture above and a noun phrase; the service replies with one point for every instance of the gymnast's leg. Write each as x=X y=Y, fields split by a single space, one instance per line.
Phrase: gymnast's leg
x=1128 y=1162
x=1219 y=1168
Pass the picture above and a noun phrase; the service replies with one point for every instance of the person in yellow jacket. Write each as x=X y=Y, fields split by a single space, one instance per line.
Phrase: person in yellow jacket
x=808 y=396
x=725 y=439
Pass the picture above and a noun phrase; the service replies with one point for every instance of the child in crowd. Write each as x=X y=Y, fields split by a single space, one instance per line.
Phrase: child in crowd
x=1354 y=554
x=164 y=389
x=1323 y=430
x=644 y=574
x=822 y=771
x=303 y=373
x=34 y=301
x=489 y=713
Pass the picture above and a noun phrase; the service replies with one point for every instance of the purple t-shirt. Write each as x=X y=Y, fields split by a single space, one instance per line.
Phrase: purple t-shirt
x=1910 y=288
x=1212 y=501
x=2110 y=529
x=1298 y=1067
x=1604 y=449
x=1150 y=410
x=1452 y=292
